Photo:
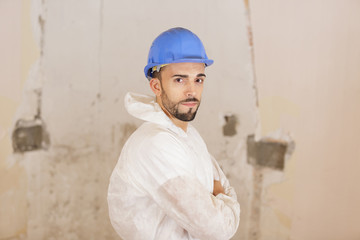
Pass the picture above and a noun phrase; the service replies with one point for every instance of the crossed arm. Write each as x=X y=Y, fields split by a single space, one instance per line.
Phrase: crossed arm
x=204 y=215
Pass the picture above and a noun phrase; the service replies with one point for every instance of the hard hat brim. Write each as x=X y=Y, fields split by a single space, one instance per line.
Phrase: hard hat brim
x=207 y=63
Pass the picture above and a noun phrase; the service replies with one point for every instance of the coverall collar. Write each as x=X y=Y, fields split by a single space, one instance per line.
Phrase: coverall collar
x=146 y=108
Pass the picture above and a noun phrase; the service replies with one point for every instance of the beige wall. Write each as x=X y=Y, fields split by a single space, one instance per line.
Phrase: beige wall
x=18 y=52
x=83 y=56
x=307 y=58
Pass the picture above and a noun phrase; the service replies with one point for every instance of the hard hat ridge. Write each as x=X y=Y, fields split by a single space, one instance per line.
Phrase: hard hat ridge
x=174 y=46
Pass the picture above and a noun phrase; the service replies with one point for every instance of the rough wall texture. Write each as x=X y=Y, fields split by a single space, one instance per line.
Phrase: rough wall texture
x=307 y=57
x=90 y=54
x=13 y=180
x=87 y=54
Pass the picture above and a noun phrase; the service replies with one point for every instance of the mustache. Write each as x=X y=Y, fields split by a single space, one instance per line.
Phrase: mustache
x=190 y=100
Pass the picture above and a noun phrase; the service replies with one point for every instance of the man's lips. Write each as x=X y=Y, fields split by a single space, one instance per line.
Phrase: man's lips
x=189 y=104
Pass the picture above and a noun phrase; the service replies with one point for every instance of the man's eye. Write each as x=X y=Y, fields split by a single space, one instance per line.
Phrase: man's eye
x=199 y=80
x=179 y=80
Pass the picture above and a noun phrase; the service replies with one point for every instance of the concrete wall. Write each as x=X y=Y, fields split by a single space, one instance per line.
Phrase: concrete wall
x=18 y=52
x=77 y=60
x=307 y=58
x=68 y=64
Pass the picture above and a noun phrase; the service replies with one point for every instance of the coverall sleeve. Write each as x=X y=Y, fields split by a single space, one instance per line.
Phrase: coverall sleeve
x=182 y=196
x=220 y=176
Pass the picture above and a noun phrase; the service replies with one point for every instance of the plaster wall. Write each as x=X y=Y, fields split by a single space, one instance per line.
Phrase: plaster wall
x=85 y=55
x=307 y=58
x=18 y=52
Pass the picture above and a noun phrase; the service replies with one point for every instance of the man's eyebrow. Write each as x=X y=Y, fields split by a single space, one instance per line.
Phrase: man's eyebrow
x=186 y=76
x=180 y=75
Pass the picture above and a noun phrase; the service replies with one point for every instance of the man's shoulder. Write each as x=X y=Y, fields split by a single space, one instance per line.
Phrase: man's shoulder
x=153 y=144
x=152 y=134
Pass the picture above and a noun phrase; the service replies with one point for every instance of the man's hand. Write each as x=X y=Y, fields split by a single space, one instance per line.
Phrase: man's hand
x=218 y=188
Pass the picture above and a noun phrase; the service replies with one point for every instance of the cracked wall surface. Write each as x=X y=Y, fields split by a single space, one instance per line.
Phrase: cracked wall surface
x=89 y=54
x=71 y=63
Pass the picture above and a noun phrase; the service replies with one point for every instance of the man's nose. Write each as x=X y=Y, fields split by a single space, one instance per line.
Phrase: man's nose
x=190 y=90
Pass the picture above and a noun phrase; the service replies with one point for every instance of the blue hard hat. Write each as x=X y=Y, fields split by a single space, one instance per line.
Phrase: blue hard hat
x=176 y=45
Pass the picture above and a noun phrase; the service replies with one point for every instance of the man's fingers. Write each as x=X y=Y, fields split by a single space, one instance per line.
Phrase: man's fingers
x=218 y=188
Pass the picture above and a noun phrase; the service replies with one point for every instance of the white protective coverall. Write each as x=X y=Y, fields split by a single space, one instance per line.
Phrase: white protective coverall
x=161 y=187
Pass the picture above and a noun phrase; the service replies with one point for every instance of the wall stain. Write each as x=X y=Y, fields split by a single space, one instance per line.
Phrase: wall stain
x=229 y=128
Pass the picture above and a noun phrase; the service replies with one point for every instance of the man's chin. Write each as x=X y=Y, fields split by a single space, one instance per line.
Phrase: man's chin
x=185 y=117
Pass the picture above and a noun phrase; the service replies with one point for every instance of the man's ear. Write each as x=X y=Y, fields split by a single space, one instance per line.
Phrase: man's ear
x=155 y=86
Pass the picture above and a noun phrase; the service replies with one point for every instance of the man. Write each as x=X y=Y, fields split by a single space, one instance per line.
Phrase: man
x=166 y=185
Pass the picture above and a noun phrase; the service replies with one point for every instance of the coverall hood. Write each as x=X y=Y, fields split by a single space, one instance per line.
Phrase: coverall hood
x=146 y=108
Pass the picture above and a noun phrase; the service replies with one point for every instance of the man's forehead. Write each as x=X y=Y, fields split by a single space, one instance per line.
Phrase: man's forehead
x=184 y=68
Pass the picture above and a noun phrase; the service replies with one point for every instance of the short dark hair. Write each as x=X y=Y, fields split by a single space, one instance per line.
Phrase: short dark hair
x=157 y=74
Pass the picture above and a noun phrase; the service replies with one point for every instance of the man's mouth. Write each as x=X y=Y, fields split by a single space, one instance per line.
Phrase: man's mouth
x=190 y=104
x=193 y=102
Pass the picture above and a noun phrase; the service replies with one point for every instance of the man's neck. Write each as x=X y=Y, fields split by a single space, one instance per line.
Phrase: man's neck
x=181 y=124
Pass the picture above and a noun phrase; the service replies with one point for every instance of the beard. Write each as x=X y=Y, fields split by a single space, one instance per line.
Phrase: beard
x=173 y=108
